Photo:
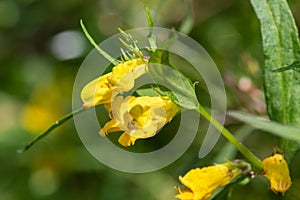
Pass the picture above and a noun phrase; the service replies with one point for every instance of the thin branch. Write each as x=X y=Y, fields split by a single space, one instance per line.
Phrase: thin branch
x=51 y=128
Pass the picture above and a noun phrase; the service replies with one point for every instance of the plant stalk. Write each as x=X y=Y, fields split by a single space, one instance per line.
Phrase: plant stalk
x=256 y=162
x=52 y=127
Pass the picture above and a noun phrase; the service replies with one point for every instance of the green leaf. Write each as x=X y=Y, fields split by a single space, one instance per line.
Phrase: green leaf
x=281 y=48
x=188 y=21
x=146 y=92
x=222 y=193
x=281 y=130
x=160 y=56
x=149 y=18
x=152 y=91
x=294 y=66
x=151 y=37
x=180 y=89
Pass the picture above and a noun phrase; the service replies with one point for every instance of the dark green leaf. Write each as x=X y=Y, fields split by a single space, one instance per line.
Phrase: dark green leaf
x=281 y=48
x=294 y=66
x=223 y=193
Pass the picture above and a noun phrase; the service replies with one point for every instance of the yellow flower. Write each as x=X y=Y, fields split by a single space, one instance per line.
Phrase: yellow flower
x=138 y=117
x=276 y=170
x=121 y=79
x=201 y=183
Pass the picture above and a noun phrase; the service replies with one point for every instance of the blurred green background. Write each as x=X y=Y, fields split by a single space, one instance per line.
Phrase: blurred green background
x=41 y=49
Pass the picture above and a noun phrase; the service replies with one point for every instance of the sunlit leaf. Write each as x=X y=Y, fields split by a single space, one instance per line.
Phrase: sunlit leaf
x=281 y=48
x=281 y=130
x=188 y=21
x=182 y=89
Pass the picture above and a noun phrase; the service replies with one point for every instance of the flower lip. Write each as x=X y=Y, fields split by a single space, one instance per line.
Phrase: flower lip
x=275 y=168
x=201 y=183
x=139 y=117
x=103 y=89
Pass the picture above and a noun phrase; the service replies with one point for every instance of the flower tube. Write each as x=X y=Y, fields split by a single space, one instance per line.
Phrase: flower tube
x=138 y=117
x=121 y=79
x=201 y=183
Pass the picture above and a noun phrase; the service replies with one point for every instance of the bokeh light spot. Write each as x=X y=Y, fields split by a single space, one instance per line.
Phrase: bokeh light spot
x=68 y=45
x=43 y=182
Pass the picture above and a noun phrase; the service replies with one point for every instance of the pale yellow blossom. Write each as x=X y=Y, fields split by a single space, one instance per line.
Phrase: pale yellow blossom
x=138 y=117
x=201 y=183
x=275 y=168
x=103 y=89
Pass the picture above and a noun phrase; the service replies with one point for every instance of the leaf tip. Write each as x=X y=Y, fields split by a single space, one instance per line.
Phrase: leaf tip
x=22 y=150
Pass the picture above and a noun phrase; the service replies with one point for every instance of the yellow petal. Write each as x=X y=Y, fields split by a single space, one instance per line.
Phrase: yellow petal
x=140 y=117
x=276 y=169
x=98 y=91
x=127 y=78
x=103 y=89
x=185 y=195
x=171 y=109
x=111 y=126
x=121 y=69
x=201 y=183
x=126 y=140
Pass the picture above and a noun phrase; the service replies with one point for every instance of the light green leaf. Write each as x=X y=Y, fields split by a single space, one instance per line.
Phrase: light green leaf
x=151 y=37
x=146 y=92
x=281 y=48
x=284 y=131
x=151 y=91
x=180 y=89
x=188 y=21
x=149 y=18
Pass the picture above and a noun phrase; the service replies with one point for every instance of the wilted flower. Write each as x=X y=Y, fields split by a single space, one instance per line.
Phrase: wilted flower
x=138 y=117
x=275 y=168
x=121 y=79
x=201 y=183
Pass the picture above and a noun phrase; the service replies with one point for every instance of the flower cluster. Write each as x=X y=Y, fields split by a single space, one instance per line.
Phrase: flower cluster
x=201 y=183
x=275 y=168
x=121 y=79
x=139 y=117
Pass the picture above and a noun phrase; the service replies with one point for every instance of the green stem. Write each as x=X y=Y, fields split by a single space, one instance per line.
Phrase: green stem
x=52 y=127
x=92 y=41
x=256 y=162
x=151 y=37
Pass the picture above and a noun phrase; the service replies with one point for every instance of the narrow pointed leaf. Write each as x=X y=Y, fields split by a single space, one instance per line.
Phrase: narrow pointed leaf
x=281 y=48
x=281 y=130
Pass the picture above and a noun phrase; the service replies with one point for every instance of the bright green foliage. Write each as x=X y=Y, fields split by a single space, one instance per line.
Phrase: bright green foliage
x=281 y=48
x=182 y=90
